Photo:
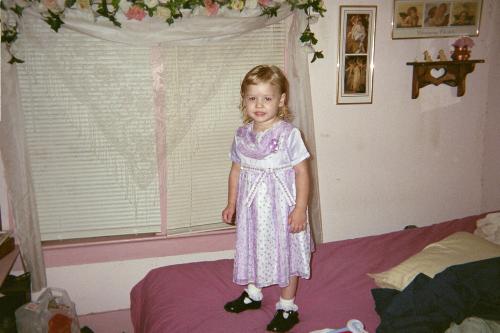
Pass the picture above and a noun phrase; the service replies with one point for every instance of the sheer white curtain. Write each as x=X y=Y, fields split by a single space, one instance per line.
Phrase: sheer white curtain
x=196 y=30
x=18 y=175
x=301 y=106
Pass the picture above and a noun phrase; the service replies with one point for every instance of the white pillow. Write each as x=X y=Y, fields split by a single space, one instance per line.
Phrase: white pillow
x=458 y=248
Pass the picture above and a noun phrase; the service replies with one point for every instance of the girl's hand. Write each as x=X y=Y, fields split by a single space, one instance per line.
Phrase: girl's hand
x=297 y=220
x=228 y=214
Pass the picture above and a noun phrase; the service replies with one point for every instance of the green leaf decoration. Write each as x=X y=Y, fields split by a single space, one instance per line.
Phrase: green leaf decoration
x=54 y=18
x=69 y=3
x=54 y=21
x=270 y=11
x=9 y=36
x=115 y=22
x=18 y=10
x=317 y=55
x=14 y=60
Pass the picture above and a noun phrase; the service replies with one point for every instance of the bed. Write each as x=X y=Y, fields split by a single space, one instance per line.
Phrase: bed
x=190 y=297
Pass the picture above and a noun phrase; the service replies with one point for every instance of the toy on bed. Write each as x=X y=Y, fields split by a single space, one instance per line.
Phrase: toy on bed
x=190 y=297
x=352 y=326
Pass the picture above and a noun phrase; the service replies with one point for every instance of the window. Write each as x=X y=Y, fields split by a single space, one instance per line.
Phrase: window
x=90 y=129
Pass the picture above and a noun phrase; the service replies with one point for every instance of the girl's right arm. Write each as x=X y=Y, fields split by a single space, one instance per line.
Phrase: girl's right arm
x=234 y=175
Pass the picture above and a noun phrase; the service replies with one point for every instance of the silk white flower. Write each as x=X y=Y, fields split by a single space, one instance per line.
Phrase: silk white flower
x=151 y=3
x=124 y=5
x=163 y=12
x=5 y=16
x=22 y=3
x=251 y=4
x=237 y=4
x=84 y=4
x=61 y=4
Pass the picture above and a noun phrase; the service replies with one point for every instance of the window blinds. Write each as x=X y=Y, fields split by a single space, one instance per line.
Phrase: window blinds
x=90 y=134
x=203 y=89
x=90 y=129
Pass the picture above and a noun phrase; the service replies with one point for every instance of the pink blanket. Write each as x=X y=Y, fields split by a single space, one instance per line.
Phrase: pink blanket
x=189 y=298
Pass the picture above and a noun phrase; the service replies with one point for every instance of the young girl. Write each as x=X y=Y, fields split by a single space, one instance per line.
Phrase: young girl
x=268 y=190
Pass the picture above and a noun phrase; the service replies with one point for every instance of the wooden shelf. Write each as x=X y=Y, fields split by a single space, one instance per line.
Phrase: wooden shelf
x=7 y=262
x=452 y=73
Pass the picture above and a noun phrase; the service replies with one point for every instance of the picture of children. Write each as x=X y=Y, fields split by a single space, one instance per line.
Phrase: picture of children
x=435 y=18
x=355 y=75
x=464 y=13
x=356 y=41
x=409 y=15
x=437 y=15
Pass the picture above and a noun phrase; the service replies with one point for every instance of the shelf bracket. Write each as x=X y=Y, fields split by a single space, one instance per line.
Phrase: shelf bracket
x=452 y=73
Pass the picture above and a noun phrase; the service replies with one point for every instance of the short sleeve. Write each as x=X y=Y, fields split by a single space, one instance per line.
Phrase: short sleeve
x=297 y=151
x=233 y=154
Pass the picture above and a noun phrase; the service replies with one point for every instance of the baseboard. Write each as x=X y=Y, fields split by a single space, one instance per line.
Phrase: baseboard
x=108 y=322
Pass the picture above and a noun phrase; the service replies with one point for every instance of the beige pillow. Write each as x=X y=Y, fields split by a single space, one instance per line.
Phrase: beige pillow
x=458 y=248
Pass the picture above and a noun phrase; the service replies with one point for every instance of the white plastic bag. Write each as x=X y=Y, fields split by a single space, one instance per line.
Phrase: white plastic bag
x=53 y=312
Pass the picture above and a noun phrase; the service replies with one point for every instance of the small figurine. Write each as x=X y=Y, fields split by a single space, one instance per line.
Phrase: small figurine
x=427 y=56
x=442 y=56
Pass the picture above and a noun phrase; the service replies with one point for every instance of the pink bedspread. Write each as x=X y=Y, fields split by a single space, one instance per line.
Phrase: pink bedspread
x=190 y=297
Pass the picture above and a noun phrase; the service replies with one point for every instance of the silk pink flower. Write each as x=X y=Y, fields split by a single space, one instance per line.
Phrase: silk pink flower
x=135 y=13
x=211 y=7
x=265 y=3
x=50 y=4
x=464 y=42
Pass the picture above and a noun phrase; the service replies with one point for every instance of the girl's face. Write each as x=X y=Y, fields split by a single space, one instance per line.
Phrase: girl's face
x=261 y=102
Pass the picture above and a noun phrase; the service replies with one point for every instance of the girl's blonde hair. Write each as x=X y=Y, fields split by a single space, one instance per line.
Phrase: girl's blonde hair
x=266 y=74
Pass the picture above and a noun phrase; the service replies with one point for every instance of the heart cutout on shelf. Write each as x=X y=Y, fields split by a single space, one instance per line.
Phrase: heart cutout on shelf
x=438 y=73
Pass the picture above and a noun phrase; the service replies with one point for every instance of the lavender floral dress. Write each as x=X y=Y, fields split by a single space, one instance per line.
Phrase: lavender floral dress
x=266 y=252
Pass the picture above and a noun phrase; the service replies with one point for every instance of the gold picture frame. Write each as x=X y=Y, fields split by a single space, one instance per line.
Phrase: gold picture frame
x=355 y=56
x=435 y=18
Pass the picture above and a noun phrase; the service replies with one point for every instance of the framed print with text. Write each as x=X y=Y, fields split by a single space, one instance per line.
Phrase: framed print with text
x=435 y=18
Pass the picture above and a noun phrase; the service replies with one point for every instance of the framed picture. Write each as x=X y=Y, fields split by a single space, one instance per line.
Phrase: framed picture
x=355 y=58
x=436 y=18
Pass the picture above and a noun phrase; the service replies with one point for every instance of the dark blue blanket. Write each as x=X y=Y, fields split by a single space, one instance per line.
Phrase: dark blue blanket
x=430 y=305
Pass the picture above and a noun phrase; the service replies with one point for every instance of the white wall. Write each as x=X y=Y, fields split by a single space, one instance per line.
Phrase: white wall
x=102 y=287
x=397 y=161
x=491 y=163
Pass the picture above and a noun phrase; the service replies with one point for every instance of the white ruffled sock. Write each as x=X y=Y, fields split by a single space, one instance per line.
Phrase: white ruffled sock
x=286 y=305
x=254 y=293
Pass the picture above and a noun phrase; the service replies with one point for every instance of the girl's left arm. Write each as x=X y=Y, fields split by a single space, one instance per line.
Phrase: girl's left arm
x=298 y=217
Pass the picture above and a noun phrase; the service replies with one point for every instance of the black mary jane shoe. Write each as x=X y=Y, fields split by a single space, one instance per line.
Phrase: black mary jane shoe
x=238 y=305
x=282 y=324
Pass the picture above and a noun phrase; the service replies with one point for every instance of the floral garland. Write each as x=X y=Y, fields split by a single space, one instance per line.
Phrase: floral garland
x=52 y=12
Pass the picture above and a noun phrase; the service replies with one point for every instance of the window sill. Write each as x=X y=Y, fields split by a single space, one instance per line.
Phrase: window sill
x=92 y=241
x=132 y=247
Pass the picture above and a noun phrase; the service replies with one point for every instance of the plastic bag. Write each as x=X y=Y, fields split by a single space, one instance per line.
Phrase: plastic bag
x=53 y=312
